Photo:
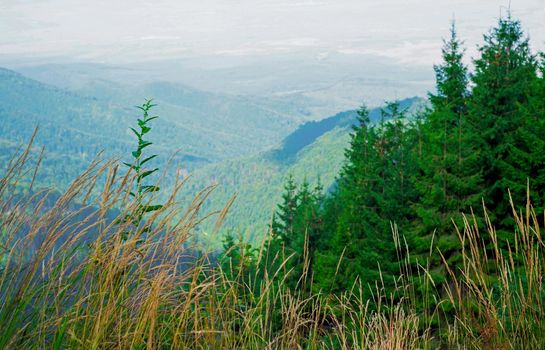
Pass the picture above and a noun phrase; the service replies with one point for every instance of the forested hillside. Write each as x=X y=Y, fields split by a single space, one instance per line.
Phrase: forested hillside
x=197 y=127
x=217 y=137
x=315 y=152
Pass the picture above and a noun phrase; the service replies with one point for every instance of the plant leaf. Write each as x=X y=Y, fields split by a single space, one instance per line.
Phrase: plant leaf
x=143 y=144
x=149 y=208
x=136 y=133
x=148 y=159
x=147 y=173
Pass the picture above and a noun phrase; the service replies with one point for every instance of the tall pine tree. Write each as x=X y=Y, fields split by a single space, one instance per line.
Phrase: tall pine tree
x=352 y=213
x=450 y=177
x=295 y=231
x=505 y=74
x=374 y=189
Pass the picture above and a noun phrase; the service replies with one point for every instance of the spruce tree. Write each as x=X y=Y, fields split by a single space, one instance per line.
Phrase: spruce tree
x=295 y=230
x=280 y=232
x=282 y=223
x=505 y=74
x=529 y=137
x=525 y=163
x=305 y=236
x=373 y=190
x=450 y=179
x=397 y=141
x=350 y=198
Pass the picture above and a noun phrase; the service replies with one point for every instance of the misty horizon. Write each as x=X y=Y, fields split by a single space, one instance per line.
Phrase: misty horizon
x=407 y=32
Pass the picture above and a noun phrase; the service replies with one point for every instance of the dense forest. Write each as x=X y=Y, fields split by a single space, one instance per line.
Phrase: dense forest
x=428 y=237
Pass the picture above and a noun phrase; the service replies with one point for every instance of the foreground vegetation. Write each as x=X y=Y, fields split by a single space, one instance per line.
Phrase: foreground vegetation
x=76 y=274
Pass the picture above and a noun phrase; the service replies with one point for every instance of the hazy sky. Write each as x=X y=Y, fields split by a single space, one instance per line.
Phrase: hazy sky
x=116 y=31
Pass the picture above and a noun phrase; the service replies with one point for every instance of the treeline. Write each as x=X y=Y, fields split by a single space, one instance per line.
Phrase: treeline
x=407 y=181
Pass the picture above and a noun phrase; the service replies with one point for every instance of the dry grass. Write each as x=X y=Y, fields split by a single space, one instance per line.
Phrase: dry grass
x=70 y=280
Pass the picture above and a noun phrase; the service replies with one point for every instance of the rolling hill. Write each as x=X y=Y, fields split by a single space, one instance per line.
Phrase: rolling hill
x=75 y=126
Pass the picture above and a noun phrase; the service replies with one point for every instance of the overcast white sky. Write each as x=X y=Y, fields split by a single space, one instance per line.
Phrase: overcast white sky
x=116 y=31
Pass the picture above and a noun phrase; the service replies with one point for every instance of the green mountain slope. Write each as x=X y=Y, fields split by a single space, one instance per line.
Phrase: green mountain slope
x=232 y=125
x=74 y=127
x=257 y=183
x=315 y=151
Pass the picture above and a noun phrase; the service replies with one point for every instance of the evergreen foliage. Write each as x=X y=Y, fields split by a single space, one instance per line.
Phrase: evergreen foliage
x=295 y=234
x=477 y=143
x=449 y=180
x=403 y=223
x=505 y=75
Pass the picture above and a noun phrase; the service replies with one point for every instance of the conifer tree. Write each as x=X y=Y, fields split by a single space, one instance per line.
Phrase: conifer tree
x=238 y=258
x=450 y=180
x=306 y=233
x=529 y=155
x=374 y=189
x=281 y=231
x=505 y=75
x=396 y=147
x=283 y=218
x=351 y=197
x=295 y=230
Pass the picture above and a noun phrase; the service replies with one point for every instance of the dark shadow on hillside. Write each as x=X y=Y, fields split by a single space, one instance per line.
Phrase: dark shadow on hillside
x=309 y=132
